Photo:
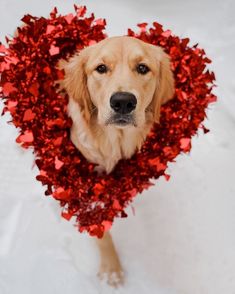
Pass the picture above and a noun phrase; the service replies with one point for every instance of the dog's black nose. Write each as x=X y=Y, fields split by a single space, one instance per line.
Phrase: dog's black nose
x=123 y=102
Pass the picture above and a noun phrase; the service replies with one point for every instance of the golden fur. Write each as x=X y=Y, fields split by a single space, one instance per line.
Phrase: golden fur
x=89 y=107
x=90 y=92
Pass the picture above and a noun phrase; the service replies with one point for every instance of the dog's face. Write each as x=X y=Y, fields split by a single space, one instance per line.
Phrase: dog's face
x=121 y=80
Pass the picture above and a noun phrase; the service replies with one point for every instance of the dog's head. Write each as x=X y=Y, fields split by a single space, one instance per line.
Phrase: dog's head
x=121 y=80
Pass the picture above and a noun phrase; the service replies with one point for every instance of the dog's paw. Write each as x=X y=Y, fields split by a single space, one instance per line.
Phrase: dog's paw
x=114 y=277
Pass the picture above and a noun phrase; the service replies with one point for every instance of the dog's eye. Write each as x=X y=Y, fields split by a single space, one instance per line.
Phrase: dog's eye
x=142 y=69
x=102 y=68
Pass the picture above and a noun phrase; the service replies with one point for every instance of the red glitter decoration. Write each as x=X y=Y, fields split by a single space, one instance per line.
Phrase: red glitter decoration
x=29 y=70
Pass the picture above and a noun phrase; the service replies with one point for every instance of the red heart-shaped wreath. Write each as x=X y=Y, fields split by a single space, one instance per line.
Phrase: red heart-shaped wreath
x=28 y=74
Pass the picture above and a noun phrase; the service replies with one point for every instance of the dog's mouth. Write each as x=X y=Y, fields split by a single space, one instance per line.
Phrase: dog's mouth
x=121 y=120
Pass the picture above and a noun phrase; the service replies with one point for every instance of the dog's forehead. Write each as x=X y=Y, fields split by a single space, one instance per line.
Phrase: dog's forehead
x=129 y=47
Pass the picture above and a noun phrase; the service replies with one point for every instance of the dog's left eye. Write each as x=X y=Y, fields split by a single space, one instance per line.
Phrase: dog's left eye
x=102 y=68
x=142 y=69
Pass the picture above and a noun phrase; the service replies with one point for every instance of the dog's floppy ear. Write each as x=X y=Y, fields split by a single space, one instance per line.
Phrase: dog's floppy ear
x=165 y=83
x=75 y=82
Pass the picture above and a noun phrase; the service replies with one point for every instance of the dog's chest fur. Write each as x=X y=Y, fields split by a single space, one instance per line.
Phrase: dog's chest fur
x=103 y=145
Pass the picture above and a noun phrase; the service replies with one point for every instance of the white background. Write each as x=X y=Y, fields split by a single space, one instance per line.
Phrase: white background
x=182 y=238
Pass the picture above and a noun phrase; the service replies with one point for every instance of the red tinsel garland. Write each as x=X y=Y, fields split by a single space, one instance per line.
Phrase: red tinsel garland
x=28 y=74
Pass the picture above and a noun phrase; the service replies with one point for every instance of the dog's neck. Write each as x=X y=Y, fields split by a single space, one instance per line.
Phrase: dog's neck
x=104 y=145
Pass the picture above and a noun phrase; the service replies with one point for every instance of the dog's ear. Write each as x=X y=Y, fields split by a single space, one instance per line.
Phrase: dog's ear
x=165 y=83
x=75 y=82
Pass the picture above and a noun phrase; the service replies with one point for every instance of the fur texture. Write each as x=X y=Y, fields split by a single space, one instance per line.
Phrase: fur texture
x=89 y=96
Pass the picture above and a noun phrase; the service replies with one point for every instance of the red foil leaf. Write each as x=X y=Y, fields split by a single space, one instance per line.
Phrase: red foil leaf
x=212 y=99
x=158 y=28
x=67 y=215
x=47 y=70
x=205 y=130
x=100 y=22
x=11 y=60
x=117 y=205
x=4 y=66
x=43 y=173
x=92 y=42
x=56 y=122
x=3 y=49
x=98 y=188
x=8 y=88
x=69 y=18
x=166 y=34
x=27 y=19
x=167 y=177
x=33 y=89
x=62 y=194
x=58 y=141
x=60 y=74
x=142 y=26
x=54 y=50
x=28 y=115
x=80 y=10
x=157 y=164
x=185 y=144
x=27 y=137
x=96 y=230
x=133 y=192
x=11 y=104
x=54 y=12
x=50 y=29
x=58 y=163
x=107 y=225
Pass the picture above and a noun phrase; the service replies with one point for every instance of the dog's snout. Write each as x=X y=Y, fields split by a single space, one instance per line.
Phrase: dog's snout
x=123 y=102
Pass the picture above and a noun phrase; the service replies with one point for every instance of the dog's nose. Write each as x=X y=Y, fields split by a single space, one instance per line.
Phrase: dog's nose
x=123 y=102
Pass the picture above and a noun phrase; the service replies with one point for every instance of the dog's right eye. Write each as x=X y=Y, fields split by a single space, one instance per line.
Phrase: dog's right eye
x=142 y=69
x=102 y=68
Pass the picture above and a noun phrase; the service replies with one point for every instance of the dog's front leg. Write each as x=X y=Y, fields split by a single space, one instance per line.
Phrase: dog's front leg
x=110 y=266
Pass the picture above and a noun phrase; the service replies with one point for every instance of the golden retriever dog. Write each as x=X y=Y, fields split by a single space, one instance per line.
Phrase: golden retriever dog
x=116 y=88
